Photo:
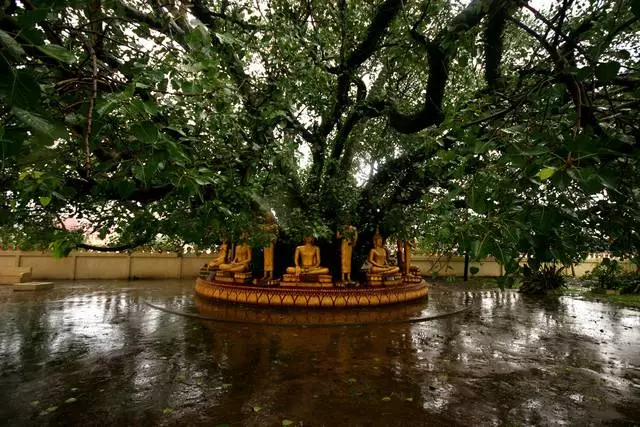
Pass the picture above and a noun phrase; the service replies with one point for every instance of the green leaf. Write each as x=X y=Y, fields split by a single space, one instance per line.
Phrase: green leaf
x=257 y=408
x=167 y=411
x=607 y=71
x=287 y=422
x=29 y=17
x=58 y=52
x=386 y=399
x=225 y=38
x=38 y=123
x=11 y=44
x=145 y=132
x=70 y=400
x=583 y=73
x=45 y=200
x=635 y=7
x=20 y=89
x=546 y=173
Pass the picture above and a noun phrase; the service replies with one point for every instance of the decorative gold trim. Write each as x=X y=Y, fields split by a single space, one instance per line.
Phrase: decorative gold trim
x=310 y=297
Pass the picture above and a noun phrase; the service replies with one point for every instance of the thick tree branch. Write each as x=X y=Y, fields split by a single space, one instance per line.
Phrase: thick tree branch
x=439 y=53
x=376 y=31
x=493 y=45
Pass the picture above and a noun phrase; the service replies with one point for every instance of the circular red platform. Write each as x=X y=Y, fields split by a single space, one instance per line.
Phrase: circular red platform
x=311 y=297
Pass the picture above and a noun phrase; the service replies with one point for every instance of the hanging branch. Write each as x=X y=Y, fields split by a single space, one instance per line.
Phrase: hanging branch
x=92 y=101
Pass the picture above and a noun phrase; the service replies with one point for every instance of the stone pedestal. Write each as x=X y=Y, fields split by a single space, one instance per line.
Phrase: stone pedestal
x=33 y=286
x=242 y=277
x=308 y=280
x=269 y=282
x=11 y=275
x=392 y=280
x=410 y=278
x=225 y=277
x=374 y=279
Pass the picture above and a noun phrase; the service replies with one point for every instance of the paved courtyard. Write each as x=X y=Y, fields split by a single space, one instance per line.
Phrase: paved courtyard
x=95 y=353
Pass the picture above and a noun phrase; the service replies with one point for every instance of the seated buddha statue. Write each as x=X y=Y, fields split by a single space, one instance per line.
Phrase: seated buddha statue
x=307 y=259
x=241 y=260
x=378 y=259
x=219 y=257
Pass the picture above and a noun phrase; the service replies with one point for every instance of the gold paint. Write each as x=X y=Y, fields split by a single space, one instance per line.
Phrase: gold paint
x=307 y=261
x=349 y=237
x=378 y=259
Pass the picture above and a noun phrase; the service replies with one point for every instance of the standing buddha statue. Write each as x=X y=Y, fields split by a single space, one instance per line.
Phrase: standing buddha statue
x=349 y=236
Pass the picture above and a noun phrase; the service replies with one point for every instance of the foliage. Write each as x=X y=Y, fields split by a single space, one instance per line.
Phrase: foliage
x=610 y=275
x=629 y=283
x=546 y=278
x=488 y=127
x=606 y=273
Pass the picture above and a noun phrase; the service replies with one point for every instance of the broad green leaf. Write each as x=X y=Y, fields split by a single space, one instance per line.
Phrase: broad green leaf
x=257 y=408
x=225 y=38
x=583 y=73
x=29 y=17
x=45 y=200
x=11 y=44
x=635 y=8
x=145 y=132
x=58 y=52
x=38 y=123
x=20 y=89
x=607 y=71
x=546 y=173
x=287 y=422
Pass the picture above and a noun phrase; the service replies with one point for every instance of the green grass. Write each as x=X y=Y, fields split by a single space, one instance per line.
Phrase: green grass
x=472 y=283
x=625 y=300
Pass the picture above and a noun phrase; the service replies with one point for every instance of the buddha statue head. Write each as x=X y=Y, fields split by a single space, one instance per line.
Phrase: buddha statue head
x=377 y=240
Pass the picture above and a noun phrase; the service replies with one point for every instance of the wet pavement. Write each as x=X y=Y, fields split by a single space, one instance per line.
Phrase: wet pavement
x=94 y=353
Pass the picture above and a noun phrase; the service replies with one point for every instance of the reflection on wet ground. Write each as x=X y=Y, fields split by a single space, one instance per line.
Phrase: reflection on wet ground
x=96 y=354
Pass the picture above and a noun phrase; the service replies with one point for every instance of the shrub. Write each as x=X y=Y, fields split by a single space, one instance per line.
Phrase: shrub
x=607 y=274
x=474 y=270
x=629 y=283
x=546 y=279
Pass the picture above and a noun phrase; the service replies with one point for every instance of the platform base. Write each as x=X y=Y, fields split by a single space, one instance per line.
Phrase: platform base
x=307 y=284
x=310 y=294
x=33 y=286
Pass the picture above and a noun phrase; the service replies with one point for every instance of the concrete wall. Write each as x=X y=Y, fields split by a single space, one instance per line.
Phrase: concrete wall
x=454 y=266
x=90 y=265
x=446 y=265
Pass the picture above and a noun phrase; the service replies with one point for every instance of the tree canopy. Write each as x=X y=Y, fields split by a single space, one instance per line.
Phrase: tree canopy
x=492 y=126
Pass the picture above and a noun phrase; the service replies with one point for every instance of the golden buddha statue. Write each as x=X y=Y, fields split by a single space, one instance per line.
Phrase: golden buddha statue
x=307 y=259
x=271 y=228
x=349 y=236
x=242 y=258
x=219 y=257
x=408 y=246
x=378 y=259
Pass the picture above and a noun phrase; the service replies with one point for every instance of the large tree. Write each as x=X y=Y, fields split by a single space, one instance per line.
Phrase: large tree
x=492 y=126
